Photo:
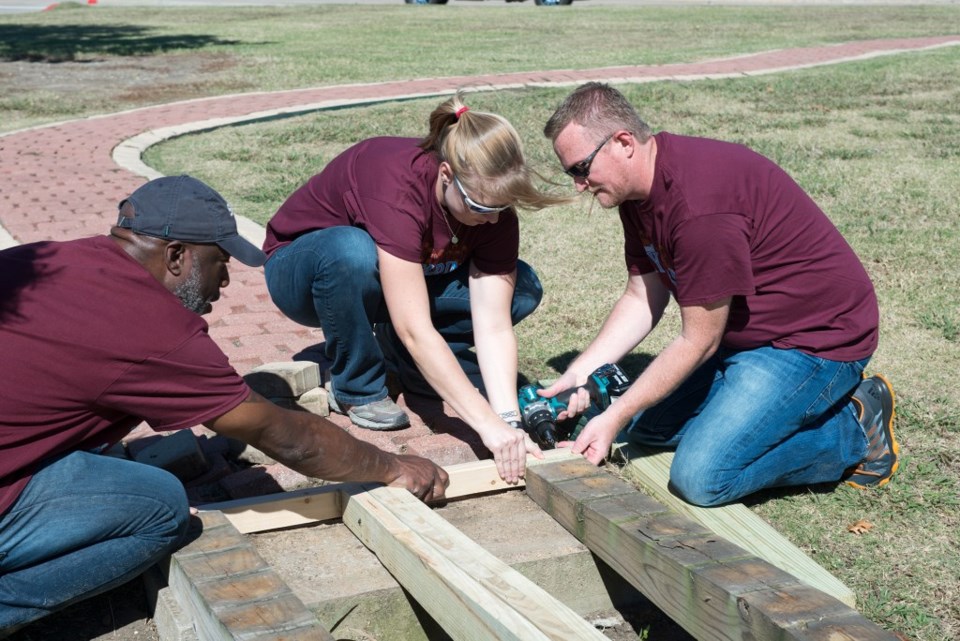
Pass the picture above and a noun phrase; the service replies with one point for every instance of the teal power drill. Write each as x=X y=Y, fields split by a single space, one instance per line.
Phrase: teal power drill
x=539 y=414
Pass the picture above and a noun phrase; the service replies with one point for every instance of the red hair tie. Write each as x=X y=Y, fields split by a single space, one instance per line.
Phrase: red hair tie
x=461 y=111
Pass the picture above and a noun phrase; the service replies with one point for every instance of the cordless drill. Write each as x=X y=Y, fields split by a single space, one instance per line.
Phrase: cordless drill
x=539 y=414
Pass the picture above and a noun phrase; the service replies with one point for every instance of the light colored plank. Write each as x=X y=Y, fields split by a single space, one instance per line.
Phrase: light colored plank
x=473 y=595
x=310 y=505
x=284 y=509
x=734 y=522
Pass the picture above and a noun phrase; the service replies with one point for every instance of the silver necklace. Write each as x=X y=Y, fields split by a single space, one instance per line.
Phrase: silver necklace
x=453 y=236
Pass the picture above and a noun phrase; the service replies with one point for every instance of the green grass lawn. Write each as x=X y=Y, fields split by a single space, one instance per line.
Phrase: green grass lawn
x=875 y=142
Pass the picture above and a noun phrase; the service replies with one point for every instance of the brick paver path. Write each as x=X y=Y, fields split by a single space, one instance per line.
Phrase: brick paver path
x=61 y=181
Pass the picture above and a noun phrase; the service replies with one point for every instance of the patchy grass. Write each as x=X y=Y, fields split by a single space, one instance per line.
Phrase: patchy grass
x=286 y=47
x=877 y=144
x=885 y=176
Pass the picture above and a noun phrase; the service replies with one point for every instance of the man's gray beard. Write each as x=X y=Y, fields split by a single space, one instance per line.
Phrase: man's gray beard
x=189 y=291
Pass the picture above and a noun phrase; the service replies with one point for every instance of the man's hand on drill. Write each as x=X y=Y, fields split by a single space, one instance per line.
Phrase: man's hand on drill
x=577 y=400
x=596 y=437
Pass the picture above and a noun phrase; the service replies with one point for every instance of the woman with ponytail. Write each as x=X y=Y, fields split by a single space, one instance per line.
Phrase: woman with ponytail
x=405 y=253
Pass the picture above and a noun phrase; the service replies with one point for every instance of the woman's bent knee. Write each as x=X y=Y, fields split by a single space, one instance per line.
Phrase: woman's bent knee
x=528 y=293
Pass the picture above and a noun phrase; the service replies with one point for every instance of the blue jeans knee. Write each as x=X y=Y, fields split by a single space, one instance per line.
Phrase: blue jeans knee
x=319 y=270
x=756 y=419
x=113 y=519
x=528 y=293
x=330 y=279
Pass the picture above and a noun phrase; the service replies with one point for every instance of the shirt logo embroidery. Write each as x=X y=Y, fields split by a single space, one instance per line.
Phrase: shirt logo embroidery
x=654 y=257
x=438 y=269
x=437 y=262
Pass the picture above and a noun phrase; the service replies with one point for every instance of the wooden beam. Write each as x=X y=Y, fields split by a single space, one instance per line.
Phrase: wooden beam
x=713 y=588
x=734 y=522
x=231 y=593
x=310 y=505
x=473 y=595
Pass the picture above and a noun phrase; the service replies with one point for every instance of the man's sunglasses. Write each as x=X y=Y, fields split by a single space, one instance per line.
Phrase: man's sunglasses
x=582 y=169
x=474 y=206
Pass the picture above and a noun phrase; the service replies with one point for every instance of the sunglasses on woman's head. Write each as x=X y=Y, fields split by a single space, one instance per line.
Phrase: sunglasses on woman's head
x=473 y=205
x=582 y=169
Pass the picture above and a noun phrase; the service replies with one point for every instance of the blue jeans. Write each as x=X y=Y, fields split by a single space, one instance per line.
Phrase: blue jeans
x=330 y=278
x=85 y=524
x=754 y=419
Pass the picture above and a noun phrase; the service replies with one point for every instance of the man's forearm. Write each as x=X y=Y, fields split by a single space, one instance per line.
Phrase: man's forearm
x=318 y=448
x=305 y=442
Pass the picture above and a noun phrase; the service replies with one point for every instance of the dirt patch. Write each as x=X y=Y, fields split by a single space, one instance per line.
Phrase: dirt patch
x=44 y=91
x=113 y=74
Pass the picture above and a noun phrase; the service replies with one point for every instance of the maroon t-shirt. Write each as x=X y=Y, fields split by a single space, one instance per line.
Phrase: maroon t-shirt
x=386 y=186
x=722 y=220
x=92 y=345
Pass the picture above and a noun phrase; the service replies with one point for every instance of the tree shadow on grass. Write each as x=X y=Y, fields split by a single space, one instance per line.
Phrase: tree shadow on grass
x=64 y=43
x=631 y=364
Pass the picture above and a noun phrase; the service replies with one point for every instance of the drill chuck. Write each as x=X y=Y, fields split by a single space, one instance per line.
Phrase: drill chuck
x=539 y=418
x=605 y=385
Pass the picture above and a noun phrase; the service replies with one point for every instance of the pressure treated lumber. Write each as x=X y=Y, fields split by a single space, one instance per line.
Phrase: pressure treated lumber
x=734 y=522
x=300 y=507
x=473 y=595
x=232 y=594
x=715 y=589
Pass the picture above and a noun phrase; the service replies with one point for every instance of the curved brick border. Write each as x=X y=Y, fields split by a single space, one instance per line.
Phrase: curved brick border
x=63 y=180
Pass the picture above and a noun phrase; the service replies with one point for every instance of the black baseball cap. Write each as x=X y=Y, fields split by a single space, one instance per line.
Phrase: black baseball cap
x=184 y=208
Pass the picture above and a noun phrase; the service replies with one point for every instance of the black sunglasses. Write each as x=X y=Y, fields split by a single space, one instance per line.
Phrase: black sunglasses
x=582 y=169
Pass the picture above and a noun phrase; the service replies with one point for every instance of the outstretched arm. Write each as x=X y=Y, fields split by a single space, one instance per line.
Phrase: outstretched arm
x=405 y=291
x=491 y=296
x=700 y=335
x=633 y=317
x=314 y=446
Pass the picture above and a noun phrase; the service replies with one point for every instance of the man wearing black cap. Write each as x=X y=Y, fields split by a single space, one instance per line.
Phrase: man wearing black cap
x=99 y=334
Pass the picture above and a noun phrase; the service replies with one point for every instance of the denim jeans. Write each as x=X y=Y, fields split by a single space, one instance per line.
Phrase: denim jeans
x=330 y=278
x=754 y=419
x=84 y=524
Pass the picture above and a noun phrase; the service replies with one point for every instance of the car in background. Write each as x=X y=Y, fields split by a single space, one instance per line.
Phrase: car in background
x=536 y=2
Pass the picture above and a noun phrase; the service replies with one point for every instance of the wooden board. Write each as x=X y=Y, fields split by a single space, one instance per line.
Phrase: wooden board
x=300 y=507
x=473 y=595
x=713 y=588
x=734 y=522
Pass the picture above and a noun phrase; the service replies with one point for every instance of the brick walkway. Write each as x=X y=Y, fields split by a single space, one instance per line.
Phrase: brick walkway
x=64 y=181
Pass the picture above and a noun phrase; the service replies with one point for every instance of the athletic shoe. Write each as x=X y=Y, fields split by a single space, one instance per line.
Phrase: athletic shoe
x=379 y=415
x=874 y=397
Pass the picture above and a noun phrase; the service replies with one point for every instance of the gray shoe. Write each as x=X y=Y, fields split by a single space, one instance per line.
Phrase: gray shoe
x=379 y=415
